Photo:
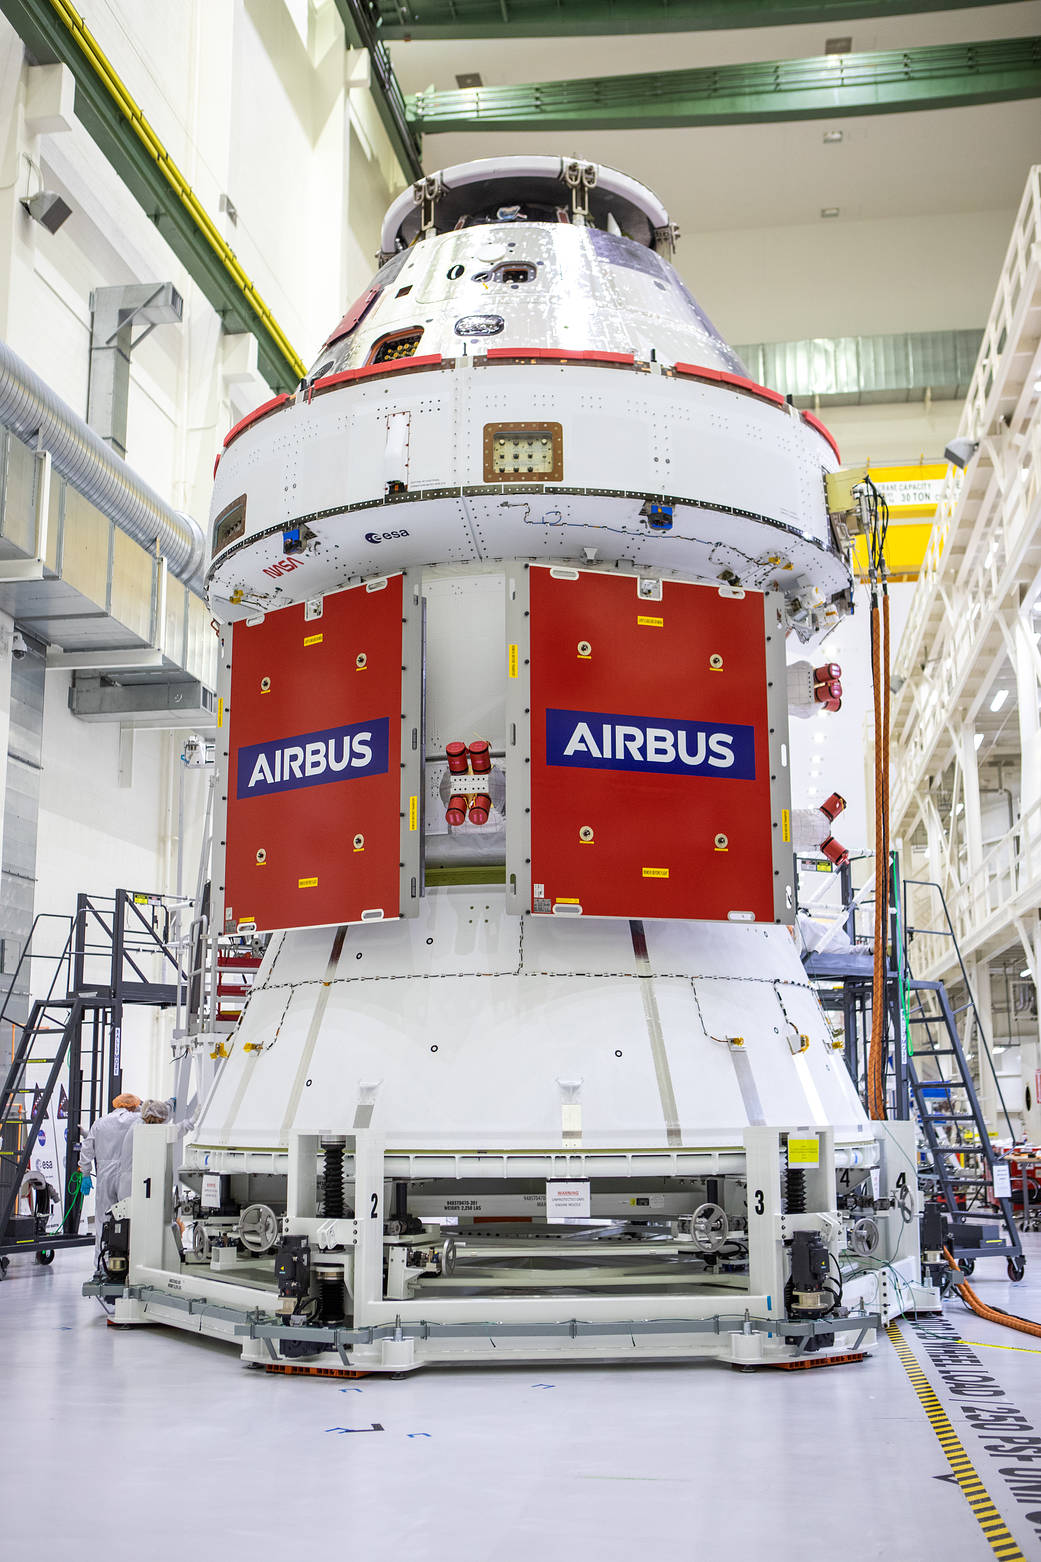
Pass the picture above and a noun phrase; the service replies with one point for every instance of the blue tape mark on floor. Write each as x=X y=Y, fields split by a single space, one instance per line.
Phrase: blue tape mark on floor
x=375 y=1427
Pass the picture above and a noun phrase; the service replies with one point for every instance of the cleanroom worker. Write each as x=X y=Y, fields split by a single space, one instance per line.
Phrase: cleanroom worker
x=99 y=1154
x=151 y=1112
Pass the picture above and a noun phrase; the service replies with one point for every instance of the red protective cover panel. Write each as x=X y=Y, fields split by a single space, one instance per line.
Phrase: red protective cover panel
x=663 y=705
x=315 y=763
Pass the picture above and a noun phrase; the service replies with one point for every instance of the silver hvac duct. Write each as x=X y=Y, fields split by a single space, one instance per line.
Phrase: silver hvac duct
x=32 y=411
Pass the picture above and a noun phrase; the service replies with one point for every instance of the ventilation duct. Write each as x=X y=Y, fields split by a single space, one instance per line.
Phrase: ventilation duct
x=32 y=411
x=847 y=371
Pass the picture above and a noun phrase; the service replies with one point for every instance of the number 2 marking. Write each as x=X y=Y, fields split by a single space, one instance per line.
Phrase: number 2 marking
x=374 y=1211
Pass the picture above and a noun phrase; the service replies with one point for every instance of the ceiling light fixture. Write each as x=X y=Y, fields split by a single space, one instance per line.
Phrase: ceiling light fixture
x=977 y=740
x=832 y=137
x=829 y=211
x=999 y=699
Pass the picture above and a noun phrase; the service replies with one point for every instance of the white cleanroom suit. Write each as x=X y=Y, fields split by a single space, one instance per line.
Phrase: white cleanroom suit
x=151 y=1112
x=100 y=1153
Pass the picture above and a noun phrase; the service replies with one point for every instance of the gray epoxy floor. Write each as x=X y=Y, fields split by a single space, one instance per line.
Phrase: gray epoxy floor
x=156 y=1444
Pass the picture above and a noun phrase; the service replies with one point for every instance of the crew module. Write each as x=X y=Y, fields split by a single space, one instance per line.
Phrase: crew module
x=531 y=1068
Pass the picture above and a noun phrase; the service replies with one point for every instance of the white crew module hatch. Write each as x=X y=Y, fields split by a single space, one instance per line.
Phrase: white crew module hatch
x=531 y=1067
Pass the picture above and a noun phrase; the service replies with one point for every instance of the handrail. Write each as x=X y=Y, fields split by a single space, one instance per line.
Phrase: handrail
x=984 y=1041
x=41 y=916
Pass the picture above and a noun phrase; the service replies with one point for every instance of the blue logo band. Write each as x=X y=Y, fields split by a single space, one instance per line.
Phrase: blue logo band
x=597 y=740
x=314 y=758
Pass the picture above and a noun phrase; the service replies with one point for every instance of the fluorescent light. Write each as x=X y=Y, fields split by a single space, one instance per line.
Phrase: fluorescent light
x=999 y=699
x=829 y=211
x=977 y=740
x=832 y=137
x=818 y=737
x=1024 y=973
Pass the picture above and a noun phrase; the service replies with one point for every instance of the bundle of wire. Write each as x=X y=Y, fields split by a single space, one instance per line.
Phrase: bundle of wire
x=878 y=515
x=991 y=1314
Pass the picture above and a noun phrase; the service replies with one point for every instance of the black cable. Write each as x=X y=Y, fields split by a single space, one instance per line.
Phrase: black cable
x=838 y=1275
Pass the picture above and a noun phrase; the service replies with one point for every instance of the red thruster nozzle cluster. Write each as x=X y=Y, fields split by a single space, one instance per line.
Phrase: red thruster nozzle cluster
x=831 y=808
x=473 y=759
x=827 y=686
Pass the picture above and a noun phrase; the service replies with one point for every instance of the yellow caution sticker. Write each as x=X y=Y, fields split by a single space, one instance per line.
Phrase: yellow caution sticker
x=220 y=712
x=568 y=900
x=313 y=639
x=413 y=813
x=655 y=873
x=651 y=623
x=804 y=1152
x=307 y=883
x=512 y=661
x=786 y=825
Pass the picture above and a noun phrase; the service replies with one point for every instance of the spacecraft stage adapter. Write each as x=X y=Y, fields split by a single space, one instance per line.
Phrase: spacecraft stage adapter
x=531 y=1065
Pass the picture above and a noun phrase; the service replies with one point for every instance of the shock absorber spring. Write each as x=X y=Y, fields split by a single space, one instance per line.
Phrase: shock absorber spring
x=332 y=1158
x=795 y=1190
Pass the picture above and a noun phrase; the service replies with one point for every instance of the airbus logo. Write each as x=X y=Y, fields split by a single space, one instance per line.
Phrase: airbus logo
x=314 y=758
x=658 y=745
x=384 y=536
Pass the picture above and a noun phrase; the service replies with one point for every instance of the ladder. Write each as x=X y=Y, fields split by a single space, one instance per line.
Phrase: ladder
x=958 y=1144
x=117 y=951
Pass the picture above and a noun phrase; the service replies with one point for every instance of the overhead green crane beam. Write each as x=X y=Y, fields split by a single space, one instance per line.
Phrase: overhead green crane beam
x=562 y=18
x=828 y=87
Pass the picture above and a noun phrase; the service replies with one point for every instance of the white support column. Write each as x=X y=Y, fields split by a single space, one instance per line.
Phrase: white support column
x=1025 y=666
x=979 y=979
x=1029 y=930
x=370 y=1214
x=763 y=1168
x=971 y=797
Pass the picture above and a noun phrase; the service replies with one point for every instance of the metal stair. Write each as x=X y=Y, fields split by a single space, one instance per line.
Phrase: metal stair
x=960 y=1152
x=117 y=951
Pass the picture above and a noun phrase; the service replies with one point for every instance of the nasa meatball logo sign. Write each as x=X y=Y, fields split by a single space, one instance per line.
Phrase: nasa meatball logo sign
x=314 y=759
x=649 y=744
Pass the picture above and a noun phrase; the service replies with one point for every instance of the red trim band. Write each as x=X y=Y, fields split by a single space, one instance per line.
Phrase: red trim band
x=696 y=371
x=816 y=423
x=263 y=411
x=370 y=371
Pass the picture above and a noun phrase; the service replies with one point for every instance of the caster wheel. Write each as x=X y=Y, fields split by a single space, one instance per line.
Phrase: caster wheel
x=1017 y=1268
x=967 y=1266
x=4 y=1265
x=45 y=1255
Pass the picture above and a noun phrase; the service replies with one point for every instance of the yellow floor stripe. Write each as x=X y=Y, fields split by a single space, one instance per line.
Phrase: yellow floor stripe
x=994 y=1529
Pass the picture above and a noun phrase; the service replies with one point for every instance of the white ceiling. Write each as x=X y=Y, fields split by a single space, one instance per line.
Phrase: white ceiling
x=771 y=175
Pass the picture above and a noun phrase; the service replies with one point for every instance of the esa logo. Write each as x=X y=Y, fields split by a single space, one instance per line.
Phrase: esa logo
x=384 y=536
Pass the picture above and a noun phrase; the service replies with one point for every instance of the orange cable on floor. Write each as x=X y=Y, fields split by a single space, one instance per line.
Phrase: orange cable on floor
x=991 y=1314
